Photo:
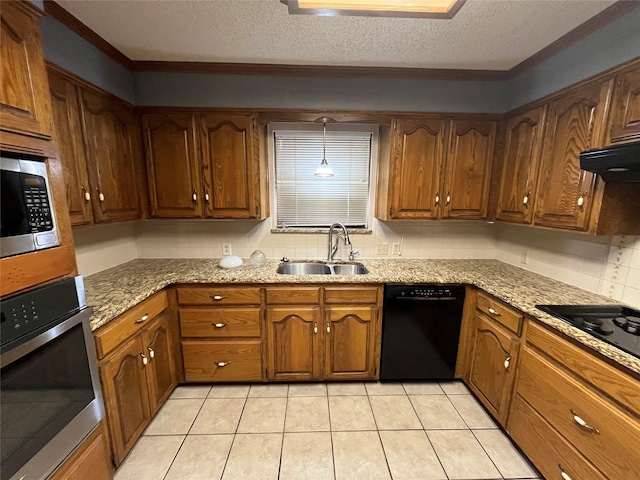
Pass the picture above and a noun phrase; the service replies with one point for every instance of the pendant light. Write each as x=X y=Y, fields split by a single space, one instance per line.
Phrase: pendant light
x=324 y=170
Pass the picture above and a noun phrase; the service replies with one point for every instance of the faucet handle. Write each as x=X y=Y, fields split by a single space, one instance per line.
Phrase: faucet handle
x=284 y=259
x=352 y=255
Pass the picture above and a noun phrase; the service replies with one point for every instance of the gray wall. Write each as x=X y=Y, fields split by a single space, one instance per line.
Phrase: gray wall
x=72 y=52
x=194 y=89
x=614 y=44
x=607 y=47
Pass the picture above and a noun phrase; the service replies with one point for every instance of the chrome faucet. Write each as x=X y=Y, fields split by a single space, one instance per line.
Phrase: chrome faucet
x=333 y=248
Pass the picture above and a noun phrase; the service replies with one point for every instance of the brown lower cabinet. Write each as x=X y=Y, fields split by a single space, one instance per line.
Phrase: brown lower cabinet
x=137 y=374
x=335 y=338
x=90 y=461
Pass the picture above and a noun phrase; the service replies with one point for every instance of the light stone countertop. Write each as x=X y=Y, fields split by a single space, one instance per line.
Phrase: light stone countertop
x=113 y=291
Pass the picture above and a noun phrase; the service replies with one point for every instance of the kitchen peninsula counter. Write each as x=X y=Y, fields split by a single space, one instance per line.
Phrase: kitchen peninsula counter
x=113 y=291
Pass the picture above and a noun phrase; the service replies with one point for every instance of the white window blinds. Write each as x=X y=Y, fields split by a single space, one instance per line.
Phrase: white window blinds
x=304 y=200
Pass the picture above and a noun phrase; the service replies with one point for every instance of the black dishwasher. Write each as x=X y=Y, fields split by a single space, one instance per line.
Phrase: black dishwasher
x=420 y=331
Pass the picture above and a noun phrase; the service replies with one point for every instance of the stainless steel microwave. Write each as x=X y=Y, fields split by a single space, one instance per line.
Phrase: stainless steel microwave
x=27 y=219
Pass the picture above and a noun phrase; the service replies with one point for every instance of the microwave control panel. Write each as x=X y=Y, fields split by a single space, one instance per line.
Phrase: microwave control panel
x=37 y=201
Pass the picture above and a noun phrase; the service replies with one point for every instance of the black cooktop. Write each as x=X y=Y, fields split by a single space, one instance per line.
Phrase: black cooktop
x=614 y=324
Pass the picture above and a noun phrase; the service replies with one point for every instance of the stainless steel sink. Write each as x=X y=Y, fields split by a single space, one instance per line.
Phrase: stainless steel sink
x=349 y=269
x=311 y=268
x=303 y=268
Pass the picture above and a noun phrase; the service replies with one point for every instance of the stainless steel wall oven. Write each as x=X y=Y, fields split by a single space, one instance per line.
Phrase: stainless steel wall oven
x=50 y=398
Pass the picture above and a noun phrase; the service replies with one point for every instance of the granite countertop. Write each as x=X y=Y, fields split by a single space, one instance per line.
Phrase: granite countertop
x=113 y=291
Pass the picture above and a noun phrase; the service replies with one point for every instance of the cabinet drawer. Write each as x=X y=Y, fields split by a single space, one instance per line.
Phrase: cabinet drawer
x=220 y=322
x=222 y=361
x=546 y=448
x=118 y=330
x=501 y=313
x=291 y=295
x=351 y=294
x=619 y=385
x=566 y=403
x=222 y=295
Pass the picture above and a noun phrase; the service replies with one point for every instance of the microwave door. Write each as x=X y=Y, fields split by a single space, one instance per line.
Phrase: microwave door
x=15 y=231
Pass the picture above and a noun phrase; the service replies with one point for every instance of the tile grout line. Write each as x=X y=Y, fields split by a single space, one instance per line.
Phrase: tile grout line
x=333 y=458
x=186 y=435
x=284 y=422
x=373 y=414
x=233 y=440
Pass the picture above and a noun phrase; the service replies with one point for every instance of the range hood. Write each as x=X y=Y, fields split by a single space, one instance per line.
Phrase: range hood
x=620 y=163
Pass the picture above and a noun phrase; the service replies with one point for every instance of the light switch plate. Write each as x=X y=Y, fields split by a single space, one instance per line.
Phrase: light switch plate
x=524 y=257
x=382 y=249
x=395 y=248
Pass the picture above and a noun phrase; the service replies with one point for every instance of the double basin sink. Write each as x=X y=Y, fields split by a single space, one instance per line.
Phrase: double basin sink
x=313 y=268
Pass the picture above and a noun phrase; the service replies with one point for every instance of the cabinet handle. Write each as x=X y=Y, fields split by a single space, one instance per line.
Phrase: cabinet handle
x=145 y=360
x=525 y=200
x=152 y=354
x=100 y=195
x=507 y=362
x=315 y=328
x=581 y=199
x=494 y=312
x=437 y=198
x=328 y=327
x=206 y=196
x=563 y=474
x=142 y=318
x=582 y=423
x=219 y=325
x=218 y=297
x=194 y=196
x=85 y=194
x=448 y=198
x=223 y=364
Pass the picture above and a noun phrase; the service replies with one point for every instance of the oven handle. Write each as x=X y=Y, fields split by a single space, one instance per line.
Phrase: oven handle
x=7 y=358
x=428 y=299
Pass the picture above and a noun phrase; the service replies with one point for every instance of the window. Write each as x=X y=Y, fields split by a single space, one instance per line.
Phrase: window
x=302 y=199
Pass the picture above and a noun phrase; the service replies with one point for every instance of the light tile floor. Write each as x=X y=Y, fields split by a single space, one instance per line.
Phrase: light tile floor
x=342 y=431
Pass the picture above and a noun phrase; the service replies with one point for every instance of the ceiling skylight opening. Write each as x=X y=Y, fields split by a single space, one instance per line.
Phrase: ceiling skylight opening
x=376 y=8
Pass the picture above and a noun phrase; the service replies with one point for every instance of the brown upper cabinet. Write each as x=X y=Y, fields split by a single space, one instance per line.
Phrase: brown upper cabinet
x=24 y=102
x=438 y=168
x=203 y=165
x=99 y=141
x=624 y=125
x=173 y=169
x=575 y=123
x=542 y=183
x=467 y=173
x=522 y=148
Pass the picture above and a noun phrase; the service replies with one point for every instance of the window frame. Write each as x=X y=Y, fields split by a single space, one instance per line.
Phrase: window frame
x=372 y=128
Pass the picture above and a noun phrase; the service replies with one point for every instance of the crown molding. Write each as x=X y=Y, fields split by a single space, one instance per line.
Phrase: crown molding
x=605 y=17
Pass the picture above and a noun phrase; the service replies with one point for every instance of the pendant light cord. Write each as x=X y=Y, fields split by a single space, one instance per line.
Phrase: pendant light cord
x=324 y=139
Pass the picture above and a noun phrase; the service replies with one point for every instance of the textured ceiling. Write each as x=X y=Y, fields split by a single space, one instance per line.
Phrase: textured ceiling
x=485 y=34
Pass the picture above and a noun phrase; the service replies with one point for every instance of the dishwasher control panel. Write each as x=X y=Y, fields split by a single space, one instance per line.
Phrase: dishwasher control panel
x=424 y=291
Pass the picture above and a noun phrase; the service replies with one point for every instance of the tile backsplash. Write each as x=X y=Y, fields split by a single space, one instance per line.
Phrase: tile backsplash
x=606 y=265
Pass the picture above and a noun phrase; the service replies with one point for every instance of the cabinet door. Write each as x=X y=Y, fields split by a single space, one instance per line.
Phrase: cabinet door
x=24 y=96
x=493 y=364
x=126 y=396
x=416 y=168
x=90 y=460
x=68 y=136
x=161 y=370
x=172 y=165
x=625 y=115
x=108 y=129
x=231 y=166
x=350 y=342
x=574 y=123
x=521 y=159
x=293 y=342
x=468 y=168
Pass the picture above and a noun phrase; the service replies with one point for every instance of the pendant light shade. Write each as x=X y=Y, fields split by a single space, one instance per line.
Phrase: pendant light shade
x=324 y=170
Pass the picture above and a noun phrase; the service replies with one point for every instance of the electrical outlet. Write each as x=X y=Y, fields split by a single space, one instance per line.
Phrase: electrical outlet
x=382 y=249
x=395 y=248
x=524 y=257
x=226 y=249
